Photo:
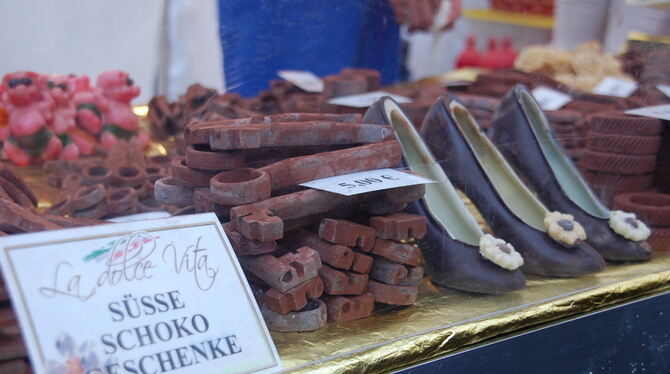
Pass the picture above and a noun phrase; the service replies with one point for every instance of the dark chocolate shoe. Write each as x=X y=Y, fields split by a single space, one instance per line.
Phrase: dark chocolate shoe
x=521 y=132
x=451 y=249
x=513 y=213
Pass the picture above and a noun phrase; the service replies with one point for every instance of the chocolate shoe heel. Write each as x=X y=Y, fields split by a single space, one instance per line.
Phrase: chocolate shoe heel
x=521 y=132
x=513 y=213
x=455 y=247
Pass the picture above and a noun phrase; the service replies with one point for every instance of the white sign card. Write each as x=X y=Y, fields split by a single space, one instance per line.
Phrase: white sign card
x=549 y=98
x=306 y=80
x=664 y=88
x=614 y=86
x=144 y=297
x=656 y=111
x=364 y=100
x=366 y=181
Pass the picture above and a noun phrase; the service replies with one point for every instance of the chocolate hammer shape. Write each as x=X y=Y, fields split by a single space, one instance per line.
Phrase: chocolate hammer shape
x=348 y=308
x=342 y=283
x=393 y=295
x=347 y=233
x=295 y=298
x=287 y=271
x=399 y=226
x=312 y=317
x=247 y=185
x=389 y=272
x=337 y=256
x=295 y=133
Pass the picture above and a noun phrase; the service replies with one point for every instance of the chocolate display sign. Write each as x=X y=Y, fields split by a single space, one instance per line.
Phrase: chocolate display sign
x=145 y=297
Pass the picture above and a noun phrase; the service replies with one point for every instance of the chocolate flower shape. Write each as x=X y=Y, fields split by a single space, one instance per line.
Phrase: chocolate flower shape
x=499 y=252
x=628 y=226
x=564 y=229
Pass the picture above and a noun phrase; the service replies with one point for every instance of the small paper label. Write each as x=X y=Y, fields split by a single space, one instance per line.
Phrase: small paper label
x=664 y=88
x=364 y=100
x=366 y=181
x=306 y=80
x=549 y=98
x=155 y=296
x=613 y=86
x=656 y=111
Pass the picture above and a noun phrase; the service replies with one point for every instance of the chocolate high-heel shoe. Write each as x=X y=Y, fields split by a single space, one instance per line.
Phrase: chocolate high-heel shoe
x=455 y=247
x=550 y=243
x=521 y=132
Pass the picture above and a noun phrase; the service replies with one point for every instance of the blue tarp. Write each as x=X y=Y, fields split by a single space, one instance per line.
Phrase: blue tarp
x=260 y=37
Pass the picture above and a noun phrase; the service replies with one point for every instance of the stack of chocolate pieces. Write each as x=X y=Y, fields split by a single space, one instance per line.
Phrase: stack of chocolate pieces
x=290 y=239
x=653 y=206
x=120 y=184
x=349 y=81
x=497 y=83
x=568 y=128
x=620 y=153
x=481 y=108
x=422 y=94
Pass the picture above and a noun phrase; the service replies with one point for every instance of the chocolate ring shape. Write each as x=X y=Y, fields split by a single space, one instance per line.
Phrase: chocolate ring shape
x=191 y=177
x=241 y=186
x=122 y=201
x=173 y=191
x=128 y=176
x=88 y=196
x=96 y=211
x=201 y=156
x=97 y=173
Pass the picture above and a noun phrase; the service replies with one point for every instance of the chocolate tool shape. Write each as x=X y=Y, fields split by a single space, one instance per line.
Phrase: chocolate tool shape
x=393 y=295
x=284 y=134
x=348 y=308
x=264 y=220
x=338 y=282
x=312 y=317
x=247 y=185
x=362 y=263
x=399 y=226
x=398 y=252
x=347 y=233
x=295 y=298
x=389 y=272
x=337 y=256
x=287 y=271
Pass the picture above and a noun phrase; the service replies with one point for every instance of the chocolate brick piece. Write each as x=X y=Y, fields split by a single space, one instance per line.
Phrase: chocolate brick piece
x=295 y=298
x=362 y=263
x=312 y=317
x=399 y=226
x=393 y=295
x=347 y=233
x=342 y=283
x=246 y=247
x=397 y=252
x=287 y=271
x=348 y=308
x=396 y=274
x=337 y=256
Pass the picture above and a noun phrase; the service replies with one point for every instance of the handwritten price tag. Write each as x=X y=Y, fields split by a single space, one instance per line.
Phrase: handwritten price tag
x=303 y=79
x=613 y=86
x=154 y=296
x=364 y=100
x=366 y=181
x=550 y=99
x=656 y=111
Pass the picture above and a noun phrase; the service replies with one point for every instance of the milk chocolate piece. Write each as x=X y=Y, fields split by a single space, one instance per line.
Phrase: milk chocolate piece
x=347 y=308
x=347 y=233
x=342 y=283
x=287 y=271
x=399 y=226
x=295 y=298
x=393 y=295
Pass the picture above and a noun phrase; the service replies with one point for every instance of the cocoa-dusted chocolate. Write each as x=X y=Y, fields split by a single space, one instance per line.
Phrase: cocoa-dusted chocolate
x=287 y=271
x=337 y=256
x=618 y=123
x=295 y=298
x=347 y=233
x=312 y=317
x=651 y=207
x=348 y=308
x=618 y=163
x=399 y=226
x=624 y=144
x=201 y=156
x=338 y=282
x=393 y=295
x=246 y=247
x=397 y=252
x=173 y=191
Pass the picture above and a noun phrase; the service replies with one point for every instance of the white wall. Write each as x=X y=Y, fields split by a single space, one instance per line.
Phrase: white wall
x=88 y=37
